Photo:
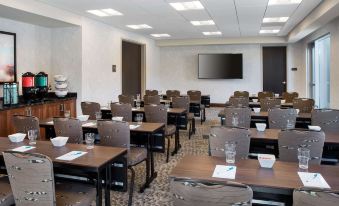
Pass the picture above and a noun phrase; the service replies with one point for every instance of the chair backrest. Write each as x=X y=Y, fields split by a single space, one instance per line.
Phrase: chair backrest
x=315 y=197
x=187 y=192
x=304 y=105
x=31 y=177
x=263 y=95
x=90 y=108
x=220 y=135
x=282 y=118
x=290 y=140
x=68 y=127
x=269 y=103
x=241 y=94
x=195 y=96
x=122 y=110
x=172 y=93
x=24 y=123
x=114 y=133
x=181 y=102
x=151 y=92
x=289 y=96
x=243 y=115
x=239 y=101
x=327 y=119
x=156 y=113
x=151 y=99
x=126 y=99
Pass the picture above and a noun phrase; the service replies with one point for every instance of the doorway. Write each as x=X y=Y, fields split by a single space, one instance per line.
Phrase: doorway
x=274 y=69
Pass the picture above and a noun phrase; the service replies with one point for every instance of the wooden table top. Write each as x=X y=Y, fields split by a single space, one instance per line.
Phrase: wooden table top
x=95 y=158
x=141 y=109
x=288 y=104
x=306 y=116
x=282 y=176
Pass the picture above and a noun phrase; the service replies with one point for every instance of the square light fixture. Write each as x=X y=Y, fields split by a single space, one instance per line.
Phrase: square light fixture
x=189 y=5
x=275 y=19
x=283 y=2
x=160 y=35
x=105 y=12
x=212 y=33
x=203 y=23
x=139 y=26
x=269 y=31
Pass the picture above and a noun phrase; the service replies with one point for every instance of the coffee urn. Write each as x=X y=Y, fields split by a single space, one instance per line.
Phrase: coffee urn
x=41 y=84
x=28 y=88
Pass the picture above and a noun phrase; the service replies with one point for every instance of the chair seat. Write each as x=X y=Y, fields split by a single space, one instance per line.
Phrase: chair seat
x=6 y=196
x=190 y=116
x=170 y=130
x=136 y=155
x=74 y=194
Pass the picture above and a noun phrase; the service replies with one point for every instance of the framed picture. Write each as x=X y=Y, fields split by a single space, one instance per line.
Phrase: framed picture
x=7 y=57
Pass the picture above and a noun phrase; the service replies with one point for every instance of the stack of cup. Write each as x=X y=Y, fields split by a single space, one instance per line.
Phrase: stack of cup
x=303 y=157
x=230 y=152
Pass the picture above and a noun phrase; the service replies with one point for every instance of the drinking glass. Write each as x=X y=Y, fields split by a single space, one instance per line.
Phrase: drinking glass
x=139 y=117
x=167 y=105
x=289 y=124
x=160 y=94
x=230 y=152
x=98 y=115
x=32 y=136
x=303 y=157
x=67 y=113
x=235 y=120
x=89 y=138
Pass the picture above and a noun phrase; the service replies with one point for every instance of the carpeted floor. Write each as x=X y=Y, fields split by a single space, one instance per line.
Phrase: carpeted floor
x=158 y=193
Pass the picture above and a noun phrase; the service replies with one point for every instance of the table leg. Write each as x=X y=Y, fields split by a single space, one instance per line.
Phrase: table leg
x=149 y=178
x=177 y=145
x=99 y=189
x=108 y=182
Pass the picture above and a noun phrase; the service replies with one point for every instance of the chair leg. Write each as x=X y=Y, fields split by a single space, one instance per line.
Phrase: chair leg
x=193 y=125
x=168 y=147
x=131 y=187
x=190 y=130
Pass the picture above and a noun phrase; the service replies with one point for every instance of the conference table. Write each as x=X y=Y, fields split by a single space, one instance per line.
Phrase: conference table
x=282 y=105
x=282 y=179
x=97 y=161
x=146 y=128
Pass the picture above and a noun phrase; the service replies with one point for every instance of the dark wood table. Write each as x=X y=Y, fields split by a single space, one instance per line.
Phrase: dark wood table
x=282 y=179
x=283 y=105
x=97 y=160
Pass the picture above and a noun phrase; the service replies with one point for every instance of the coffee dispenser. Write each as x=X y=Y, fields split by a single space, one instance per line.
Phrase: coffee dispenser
x=41 y=84
x=28 y=86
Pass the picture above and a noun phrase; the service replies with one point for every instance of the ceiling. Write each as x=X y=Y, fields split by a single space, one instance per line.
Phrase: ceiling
x=234 y=18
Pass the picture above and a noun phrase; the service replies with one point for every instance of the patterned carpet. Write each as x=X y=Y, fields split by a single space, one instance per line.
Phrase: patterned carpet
x=158 y=193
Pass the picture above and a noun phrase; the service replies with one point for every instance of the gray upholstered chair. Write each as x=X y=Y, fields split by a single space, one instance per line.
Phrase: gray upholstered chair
x=263 y=95
x=186 y=192
x=289 y=96
x=151 y=99
x=315 y=197
x=241 y=94
x=117 y=134
x=90 y=108
x=23 y=123
x=220 y=135
x=6 y=195
x=282 y=118
x=69 y=127
x=290 y=140
x=122 y=110
x=126 y=99
x=304 y=105
x=172 y=93
x=269 y=103
x=239 y=101
x=195 y=96
x=32 y=182
x=151 y=92
x=238 y=117
x=158 y=114
x=195 y=104
x=327 y=119
x=184 y=102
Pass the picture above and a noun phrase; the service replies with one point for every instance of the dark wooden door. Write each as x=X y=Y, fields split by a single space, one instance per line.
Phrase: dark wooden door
x=274 y=69
x=131 y=68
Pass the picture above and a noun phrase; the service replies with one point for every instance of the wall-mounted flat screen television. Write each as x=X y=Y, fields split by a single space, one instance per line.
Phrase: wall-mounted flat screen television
x=220 y=66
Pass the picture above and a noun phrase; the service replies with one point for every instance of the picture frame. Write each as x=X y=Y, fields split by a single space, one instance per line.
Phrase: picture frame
x=7 y=57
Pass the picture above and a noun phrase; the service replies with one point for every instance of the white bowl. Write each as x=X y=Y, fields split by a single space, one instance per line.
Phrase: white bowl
x=117 y=118
x=61 y=85
x=314 y=128
x=83 y=118
x=256 y=109
x=266 y=160
x=17 y=137
x=260 y=127
x=61 y=93
x=283 y=101
x=255 y=100
x=59 y=141
x=60 y=78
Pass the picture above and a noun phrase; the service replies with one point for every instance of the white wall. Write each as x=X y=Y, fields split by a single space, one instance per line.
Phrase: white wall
x=179 y=70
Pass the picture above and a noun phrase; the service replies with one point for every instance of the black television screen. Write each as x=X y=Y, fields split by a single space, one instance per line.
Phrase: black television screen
x=220 y=66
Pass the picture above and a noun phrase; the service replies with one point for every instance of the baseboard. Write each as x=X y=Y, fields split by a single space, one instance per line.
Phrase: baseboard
x=217 y=104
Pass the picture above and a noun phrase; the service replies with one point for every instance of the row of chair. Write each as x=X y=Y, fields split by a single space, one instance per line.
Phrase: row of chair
x=287 y=96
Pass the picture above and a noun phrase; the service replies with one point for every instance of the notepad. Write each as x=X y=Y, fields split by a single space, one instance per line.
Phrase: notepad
x=23 y=148
x=71 y=155
x=313 y=180
x=50 y=122
x=133 y=126
x=222 y=171
x=134 y=109
x=89 y=124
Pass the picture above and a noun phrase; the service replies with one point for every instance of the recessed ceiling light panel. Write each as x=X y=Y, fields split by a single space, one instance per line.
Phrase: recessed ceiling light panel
x=283 y=2
x=139 y=26
x=272 y=31
x=203 y=23
x=160 y=35
x=105 y=12
x=189 y=5
x=275 y=19
x=212 y=33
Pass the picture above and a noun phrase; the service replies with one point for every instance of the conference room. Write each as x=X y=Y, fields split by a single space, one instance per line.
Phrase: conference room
x=169 y=102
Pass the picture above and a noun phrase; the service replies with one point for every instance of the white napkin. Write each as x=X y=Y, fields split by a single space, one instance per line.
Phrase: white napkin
x=23 y=148
x=222 y=171
x=133 y=126
x=313 y=180
x=71 y=155
x=89 y=124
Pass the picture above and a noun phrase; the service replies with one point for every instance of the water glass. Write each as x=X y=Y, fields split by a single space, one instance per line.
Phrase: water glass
x=167 y=105
x=89 y=138
x=139 y=117
x=303 y=157
x=98 y=115
x=235 y=120
x=230 y=152
x=160 y=94
x=137 y=103
x=289 y=124
x=32 y=136
x=67 y=113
